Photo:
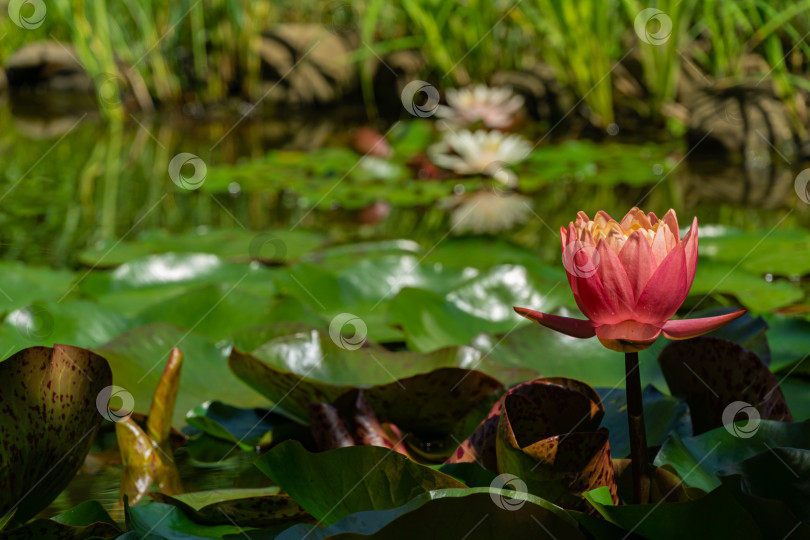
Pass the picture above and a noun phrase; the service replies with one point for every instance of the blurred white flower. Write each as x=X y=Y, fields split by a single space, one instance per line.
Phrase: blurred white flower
x=482 y=152
x=495 y=107
x=487 y=212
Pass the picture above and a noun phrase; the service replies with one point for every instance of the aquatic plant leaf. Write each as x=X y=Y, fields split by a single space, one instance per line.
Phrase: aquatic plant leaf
x=49 y=419
x=445 y=513
x=159 y=421
x=294 y=371
x=247 y=427
x=717 y=515
x=697 y=459
x=547 y=437
x=87 y=520
x=711 y=374
x=349 y=479
x=260 y=507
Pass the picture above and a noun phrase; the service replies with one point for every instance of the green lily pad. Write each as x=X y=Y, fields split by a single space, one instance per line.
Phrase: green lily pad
x=214 y=311
x=259 y=507
x=711 y=374
x=697 y=459
x=717 y=515
x=753 y=291
x=247 y=427
x=349 y=479
x=140 y=283
x=167 y=521
x=73 y=322
x=22 y=284
x=294 y=371
x=789 y=338
x=229 y=244
x=777 y=473
x=50 y=416
x=445 y=513
x=137 y=357
x=782 y=252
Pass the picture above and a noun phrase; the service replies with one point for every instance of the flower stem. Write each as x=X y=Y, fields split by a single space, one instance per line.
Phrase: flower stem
x=638 y=436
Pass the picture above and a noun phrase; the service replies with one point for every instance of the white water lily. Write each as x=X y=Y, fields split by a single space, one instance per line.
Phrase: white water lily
x=487 y=212
x=494 y=107
x=482 y=152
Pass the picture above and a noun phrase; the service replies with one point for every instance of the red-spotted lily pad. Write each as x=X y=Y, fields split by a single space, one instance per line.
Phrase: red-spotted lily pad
x=261 y=507
x=547 y=436
x=716 y=378
x=295 y=371
x=48 y=419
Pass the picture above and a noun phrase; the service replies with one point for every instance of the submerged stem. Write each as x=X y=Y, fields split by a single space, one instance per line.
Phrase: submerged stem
x=638 y=436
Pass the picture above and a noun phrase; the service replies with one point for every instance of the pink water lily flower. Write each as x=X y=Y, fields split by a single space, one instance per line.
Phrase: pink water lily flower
x=628 y=279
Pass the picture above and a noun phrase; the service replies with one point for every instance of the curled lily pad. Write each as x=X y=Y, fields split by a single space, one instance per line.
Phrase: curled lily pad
x=481 y=444
x=547 y=436
x=712 y=374
x=260 y=507
x=247 y=427
x=294 y=371
x=49 y=419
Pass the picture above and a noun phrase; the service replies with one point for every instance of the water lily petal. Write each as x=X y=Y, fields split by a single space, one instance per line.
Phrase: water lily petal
x=690 y=248
x=665 y=291
x=614 y=279
x=638 y=262
x=578 y=328
x=627 y=336
x=689 y=328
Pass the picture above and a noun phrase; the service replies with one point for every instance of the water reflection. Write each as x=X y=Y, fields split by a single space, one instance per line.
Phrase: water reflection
x=71 y=181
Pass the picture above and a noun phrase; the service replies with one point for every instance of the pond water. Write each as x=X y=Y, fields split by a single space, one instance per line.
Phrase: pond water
x=72 y=182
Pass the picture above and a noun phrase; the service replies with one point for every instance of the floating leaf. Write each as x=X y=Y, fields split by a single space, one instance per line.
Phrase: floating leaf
x=480 y=513
x=697 y=459
x=49 y=417
x=87 y=520
x=247 y=427
x=297 y=370
x=350 y=479
x=261 y=507
x=713 y=374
